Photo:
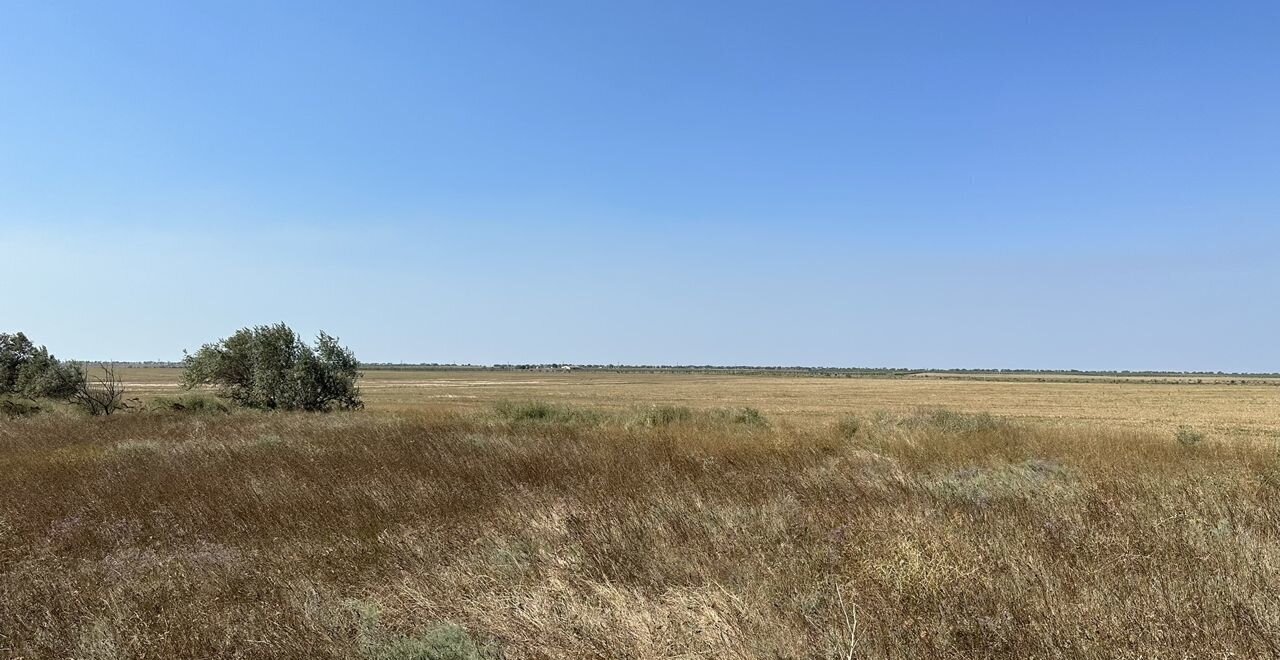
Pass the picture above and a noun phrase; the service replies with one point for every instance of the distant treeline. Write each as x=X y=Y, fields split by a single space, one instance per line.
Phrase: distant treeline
x=756 y=369
x=813 y=371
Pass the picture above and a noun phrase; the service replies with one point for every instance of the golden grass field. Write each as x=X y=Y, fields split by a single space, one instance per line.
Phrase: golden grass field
x=651 y=516
x=1240 y=411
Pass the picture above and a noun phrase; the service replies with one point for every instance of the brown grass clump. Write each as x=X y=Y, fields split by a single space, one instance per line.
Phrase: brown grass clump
x=549 y=532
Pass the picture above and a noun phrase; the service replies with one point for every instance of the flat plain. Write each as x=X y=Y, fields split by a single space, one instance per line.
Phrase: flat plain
x=478 y=515
x=1225 y=406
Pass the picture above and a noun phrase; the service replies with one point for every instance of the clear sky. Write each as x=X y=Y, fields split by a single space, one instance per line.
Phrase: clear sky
x=1090 y=185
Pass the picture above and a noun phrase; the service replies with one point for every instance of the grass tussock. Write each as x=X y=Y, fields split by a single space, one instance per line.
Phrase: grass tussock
x=14 y=408
x=194 y=402
x=543 y=412
x=540 y=531
x=442 y=641
x=662 y=416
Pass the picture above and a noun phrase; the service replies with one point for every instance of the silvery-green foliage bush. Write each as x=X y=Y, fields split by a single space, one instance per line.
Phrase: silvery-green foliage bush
x=270 y=367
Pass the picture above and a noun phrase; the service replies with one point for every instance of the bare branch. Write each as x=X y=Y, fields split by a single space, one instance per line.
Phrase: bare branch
x=100 y=395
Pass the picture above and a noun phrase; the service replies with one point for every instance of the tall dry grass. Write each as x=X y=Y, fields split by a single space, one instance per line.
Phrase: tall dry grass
x=539 y=532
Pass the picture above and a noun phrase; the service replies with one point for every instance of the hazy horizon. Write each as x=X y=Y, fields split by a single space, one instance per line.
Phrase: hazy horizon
x=607 y=366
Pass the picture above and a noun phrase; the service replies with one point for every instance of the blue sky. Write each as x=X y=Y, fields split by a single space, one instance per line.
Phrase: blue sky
x=943 y=184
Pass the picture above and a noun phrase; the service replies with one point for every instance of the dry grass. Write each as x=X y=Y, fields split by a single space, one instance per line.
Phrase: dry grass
x=550 y=532
x=1242 y=410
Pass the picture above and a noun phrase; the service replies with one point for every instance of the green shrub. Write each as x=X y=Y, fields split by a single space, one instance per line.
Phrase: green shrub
x=30 y=371
x=270 y=367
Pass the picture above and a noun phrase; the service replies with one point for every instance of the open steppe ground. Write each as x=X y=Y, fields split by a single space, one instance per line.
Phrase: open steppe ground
x=651 y=516
x=1213 y=405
